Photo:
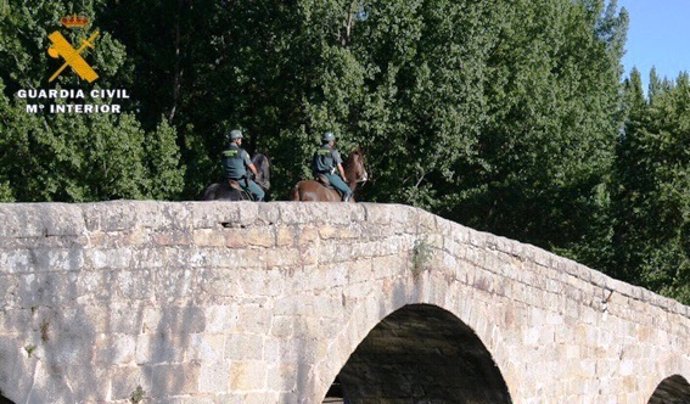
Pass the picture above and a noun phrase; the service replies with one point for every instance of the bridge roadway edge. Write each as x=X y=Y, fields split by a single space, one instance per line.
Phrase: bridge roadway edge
x=138 y=293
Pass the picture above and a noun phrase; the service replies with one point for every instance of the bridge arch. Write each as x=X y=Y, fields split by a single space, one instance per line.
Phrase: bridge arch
x=5 y=400
x=422 y=352
x=672 y=390
x=280 y=296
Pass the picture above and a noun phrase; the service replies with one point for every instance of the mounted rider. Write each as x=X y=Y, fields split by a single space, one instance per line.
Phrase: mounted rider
x=327 y=164
x=235 y=162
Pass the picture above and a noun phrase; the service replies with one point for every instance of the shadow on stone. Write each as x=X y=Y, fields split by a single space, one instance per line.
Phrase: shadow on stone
x=672 y=390
x=5 y=400
x=421 y=353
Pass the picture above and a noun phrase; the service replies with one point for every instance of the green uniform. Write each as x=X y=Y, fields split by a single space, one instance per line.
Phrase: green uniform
x=235 y=162
x=326 y=160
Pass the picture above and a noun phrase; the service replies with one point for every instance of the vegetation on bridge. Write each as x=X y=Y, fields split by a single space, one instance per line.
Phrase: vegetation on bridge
x=511 y=117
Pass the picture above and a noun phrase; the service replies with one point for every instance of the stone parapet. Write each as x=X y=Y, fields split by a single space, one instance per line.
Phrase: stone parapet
x=242 y=302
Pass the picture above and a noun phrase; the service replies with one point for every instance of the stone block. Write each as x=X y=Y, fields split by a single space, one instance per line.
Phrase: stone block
x=255 y=319
x=9 y=294
x=299 y=213
x=40 y=220
x=244 y=346
x=16 y=261
x=175 y=379
x=93 y=286
x=159 y=348
x=221 y=282
x=56 y=259
x=289 y=398
x=207 y=348
x=220 y=318
x=249 y=213
x=111 y=258
x=257 y=236
x=282 y=326
x=136 y=285
x=285 y=236
x=45 y=289
x=111 y=216
x=172 y=238
x=272 y=350
x=247 y=376
x=388 y=214
x=115 y=349
x=214 y=214
x=261 y=397
x=208 y=238
x=268 y=213
x=282 y=257
x=53 y=390
x=196 y=399
x=175 y=283
x=214 y=377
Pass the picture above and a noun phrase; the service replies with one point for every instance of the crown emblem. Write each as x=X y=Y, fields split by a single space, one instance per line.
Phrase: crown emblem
x=74 y=21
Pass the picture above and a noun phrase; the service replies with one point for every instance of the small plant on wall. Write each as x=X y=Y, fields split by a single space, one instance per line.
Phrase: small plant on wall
x=421 y=256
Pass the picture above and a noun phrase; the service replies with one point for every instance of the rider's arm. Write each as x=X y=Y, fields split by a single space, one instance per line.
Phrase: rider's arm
x=253 y=168
x=339 y=163
x=342 y=172
x=248 y=162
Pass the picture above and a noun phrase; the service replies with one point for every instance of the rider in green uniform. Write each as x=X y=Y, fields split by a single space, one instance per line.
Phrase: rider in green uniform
x=235 y=163
x=327 y=162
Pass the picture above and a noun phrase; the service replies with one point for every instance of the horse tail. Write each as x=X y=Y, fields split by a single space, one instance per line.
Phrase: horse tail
x=294 y=194
x=210 y=192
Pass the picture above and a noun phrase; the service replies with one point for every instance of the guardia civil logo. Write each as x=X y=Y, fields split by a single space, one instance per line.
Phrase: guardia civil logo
x=75 y=61
x=61 y=48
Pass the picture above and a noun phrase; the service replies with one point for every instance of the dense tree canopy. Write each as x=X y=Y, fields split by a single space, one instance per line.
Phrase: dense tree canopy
x=73 y=157
x=651 y=198
x=506 y=116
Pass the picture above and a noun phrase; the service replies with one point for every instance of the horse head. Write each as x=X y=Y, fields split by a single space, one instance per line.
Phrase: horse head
x=262 y=164
x=355 y=169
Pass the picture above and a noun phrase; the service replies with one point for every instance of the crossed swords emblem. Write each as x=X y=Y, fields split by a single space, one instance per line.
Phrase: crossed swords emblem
x=62 y=48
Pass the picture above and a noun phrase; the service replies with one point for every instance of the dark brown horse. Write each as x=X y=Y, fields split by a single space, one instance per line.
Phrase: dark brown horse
x=314 y=191
x=223 y=191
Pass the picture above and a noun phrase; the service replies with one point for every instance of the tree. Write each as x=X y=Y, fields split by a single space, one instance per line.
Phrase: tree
x=652 y=193
x=76 y=157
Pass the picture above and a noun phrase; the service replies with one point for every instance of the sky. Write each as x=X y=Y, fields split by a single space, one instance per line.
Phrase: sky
x=658 y=35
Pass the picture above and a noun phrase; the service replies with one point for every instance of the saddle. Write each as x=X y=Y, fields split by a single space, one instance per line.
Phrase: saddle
x=235 y=184
x=324 y=181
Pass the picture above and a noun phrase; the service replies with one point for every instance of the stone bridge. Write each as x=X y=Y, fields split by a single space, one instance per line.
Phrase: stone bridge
x=127 y=302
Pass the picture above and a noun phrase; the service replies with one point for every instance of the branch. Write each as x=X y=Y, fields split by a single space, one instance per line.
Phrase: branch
x=348 y=25
x=178 y=72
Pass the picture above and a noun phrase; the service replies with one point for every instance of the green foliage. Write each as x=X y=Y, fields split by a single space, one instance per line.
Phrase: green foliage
x=506 y=116
x=163 y=160
x=421 y=255
x=137 y=395
x=6 y=192
x=73 y=157
x=652 y=188
x=30 y=349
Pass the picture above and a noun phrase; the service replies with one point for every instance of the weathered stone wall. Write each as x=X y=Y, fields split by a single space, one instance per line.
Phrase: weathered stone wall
x=262 y=303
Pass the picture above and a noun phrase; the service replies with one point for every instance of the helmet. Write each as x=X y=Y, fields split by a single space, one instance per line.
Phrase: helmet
x=328 y=136
x=234 y=135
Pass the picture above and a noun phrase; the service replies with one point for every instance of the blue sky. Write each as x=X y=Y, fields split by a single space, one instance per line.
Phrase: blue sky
x=658 y=35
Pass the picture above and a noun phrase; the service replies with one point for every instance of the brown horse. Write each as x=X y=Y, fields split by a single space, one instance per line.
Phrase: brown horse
x=223 y=191
x=314 y=191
